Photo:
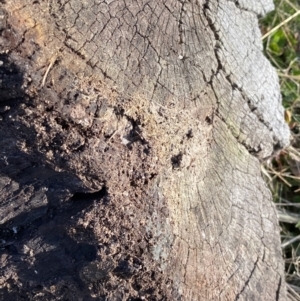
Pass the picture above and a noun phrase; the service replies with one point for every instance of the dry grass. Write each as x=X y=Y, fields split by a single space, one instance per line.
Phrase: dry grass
x=281 y=38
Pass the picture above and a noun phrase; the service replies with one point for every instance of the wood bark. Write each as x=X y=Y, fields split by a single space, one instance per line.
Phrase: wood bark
x=131 y=139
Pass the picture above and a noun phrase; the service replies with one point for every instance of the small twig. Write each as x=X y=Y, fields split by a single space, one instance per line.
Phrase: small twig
x=292 y=295
x=289 y=242
x=265 y=172
x=281 y=24
x=287 y=217
x=288 y=204
x=113 y=134
x=295 y=77
x=279 y=175
x=53 y=60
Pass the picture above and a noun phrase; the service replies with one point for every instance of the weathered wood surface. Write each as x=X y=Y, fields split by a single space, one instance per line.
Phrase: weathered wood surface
x=131 y=134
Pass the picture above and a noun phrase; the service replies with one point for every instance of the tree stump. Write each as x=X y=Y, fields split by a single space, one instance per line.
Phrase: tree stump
x=131 y=139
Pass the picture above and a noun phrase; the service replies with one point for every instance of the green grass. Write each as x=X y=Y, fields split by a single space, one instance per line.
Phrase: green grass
x=282 y=48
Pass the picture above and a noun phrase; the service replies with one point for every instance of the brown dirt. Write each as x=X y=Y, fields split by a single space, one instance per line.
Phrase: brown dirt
x=66 y=233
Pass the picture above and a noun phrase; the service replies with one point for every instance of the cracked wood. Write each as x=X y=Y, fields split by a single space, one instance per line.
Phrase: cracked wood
x=131 y=160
